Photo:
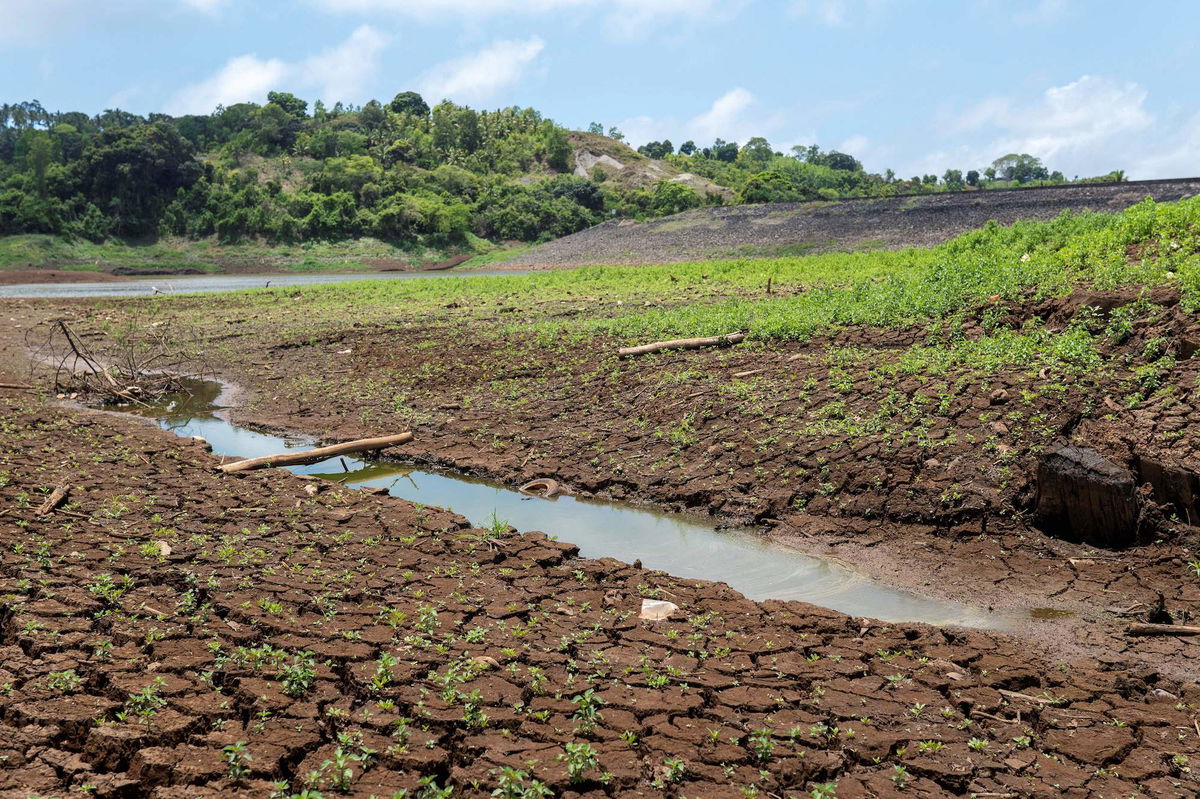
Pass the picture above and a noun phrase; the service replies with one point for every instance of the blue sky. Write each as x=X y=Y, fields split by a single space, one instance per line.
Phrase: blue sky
x=916 y=85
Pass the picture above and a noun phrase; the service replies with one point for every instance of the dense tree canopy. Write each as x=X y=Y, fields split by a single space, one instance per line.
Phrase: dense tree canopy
x=401 y=171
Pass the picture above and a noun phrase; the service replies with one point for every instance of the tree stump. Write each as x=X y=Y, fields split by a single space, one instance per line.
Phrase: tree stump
x=1082 y=496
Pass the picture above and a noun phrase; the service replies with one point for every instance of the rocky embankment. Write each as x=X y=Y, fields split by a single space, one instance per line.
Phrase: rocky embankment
x=800 y=228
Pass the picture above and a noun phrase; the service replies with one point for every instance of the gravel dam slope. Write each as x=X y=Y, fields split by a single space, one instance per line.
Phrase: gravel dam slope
x=776 y=229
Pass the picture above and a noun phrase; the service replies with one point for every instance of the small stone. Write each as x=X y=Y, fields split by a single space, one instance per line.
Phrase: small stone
x=1000 y=428
x=998 y=397
x=932 y=463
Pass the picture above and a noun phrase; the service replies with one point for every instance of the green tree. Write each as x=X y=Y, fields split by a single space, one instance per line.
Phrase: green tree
x=409 y=103
x=290 y=103
x=1021 y=167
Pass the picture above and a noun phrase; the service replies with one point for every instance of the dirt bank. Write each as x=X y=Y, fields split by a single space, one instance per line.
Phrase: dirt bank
x=17 y=277
x=801 y=228
x=173 y=631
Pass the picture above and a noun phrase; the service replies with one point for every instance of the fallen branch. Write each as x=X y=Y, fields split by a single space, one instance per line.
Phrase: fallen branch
x=15 y=385
x=53 y=501
x=748 y=372
x=682 y=344
x=1162 y=629
x=1040 y=700
x=318 y=454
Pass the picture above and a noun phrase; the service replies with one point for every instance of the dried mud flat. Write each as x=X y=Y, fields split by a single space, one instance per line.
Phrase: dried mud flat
x=802 y=228
x=927 y=483
x=171 y=631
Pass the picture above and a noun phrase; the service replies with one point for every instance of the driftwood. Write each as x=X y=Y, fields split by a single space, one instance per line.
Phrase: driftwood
x=1162 y=629
x=318 y=454
x=53 y=501
x=682 y=344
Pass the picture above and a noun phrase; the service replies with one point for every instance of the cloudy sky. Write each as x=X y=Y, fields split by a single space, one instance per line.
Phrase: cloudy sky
x=916 y=85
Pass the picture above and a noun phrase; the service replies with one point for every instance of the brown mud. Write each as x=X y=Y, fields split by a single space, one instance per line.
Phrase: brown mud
x=18 y=277
x=926 y=484
x=155 y=632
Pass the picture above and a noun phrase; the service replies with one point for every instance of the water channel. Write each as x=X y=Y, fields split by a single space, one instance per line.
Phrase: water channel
x=683 y=545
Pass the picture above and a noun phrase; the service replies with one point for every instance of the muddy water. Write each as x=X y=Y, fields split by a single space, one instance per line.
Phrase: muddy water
x=679 y=544
x=167 y=284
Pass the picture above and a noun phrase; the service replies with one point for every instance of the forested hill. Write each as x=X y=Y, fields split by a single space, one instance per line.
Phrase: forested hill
x=401 y=172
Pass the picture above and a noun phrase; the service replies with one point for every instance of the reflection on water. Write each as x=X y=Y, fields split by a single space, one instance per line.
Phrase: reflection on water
x=682 y=545
x=171 y=284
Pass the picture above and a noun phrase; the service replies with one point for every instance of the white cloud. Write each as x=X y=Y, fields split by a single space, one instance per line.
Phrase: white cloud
x=211 y=7
x=32 y=23
x=733 y=117
x=480 y=76
x=857 y=146
x=838 y=13
x=29 y=23
x=425 y=9
x=343 y=72
x=1176 y=155
x=1067 y=119
x=632 y=20
x=1043 y=12
x=340 y=73
x=1087 y=127
x=623 y=20
x=244 y=78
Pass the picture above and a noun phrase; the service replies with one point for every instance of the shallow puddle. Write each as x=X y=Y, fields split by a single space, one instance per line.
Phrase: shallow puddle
x=680 y=544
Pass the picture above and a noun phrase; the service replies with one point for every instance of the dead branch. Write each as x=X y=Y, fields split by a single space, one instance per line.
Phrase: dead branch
x=1162 y=629
x=318 y=454
x=126 y=362
x=682 y=344
x=52 y=501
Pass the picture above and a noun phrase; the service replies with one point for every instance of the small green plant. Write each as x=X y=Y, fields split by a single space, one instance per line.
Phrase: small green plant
x=297 y=678
x=510 y=784
x=587 y=712
x=762 y=745
x=236 y=758
x=68 y=682
x=579 y=758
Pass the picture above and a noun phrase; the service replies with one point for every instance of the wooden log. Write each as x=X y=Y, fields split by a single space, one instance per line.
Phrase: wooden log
x=1162 y=629
x=318 y=454
x=15 y=385
x=56 y=497
x=682 y=344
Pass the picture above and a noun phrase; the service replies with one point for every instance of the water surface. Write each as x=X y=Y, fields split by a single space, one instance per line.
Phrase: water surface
x=192 y=284
x=680 y=544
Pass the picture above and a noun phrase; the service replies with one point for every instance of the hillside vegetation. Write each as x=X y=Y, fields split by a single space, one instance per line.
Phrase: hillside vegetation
x=423 y=182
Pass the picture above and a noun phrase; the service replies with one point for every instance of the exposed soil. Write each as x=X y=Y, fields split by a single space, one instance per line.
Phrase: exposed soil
x=17 y=277
x=925 y=482
x=802 y=228
x=149 y=623
x=934 y=495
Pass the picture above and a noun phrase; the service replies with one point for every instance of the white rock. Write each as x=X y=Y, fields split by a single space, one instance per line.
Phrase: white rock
x=657 y=609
